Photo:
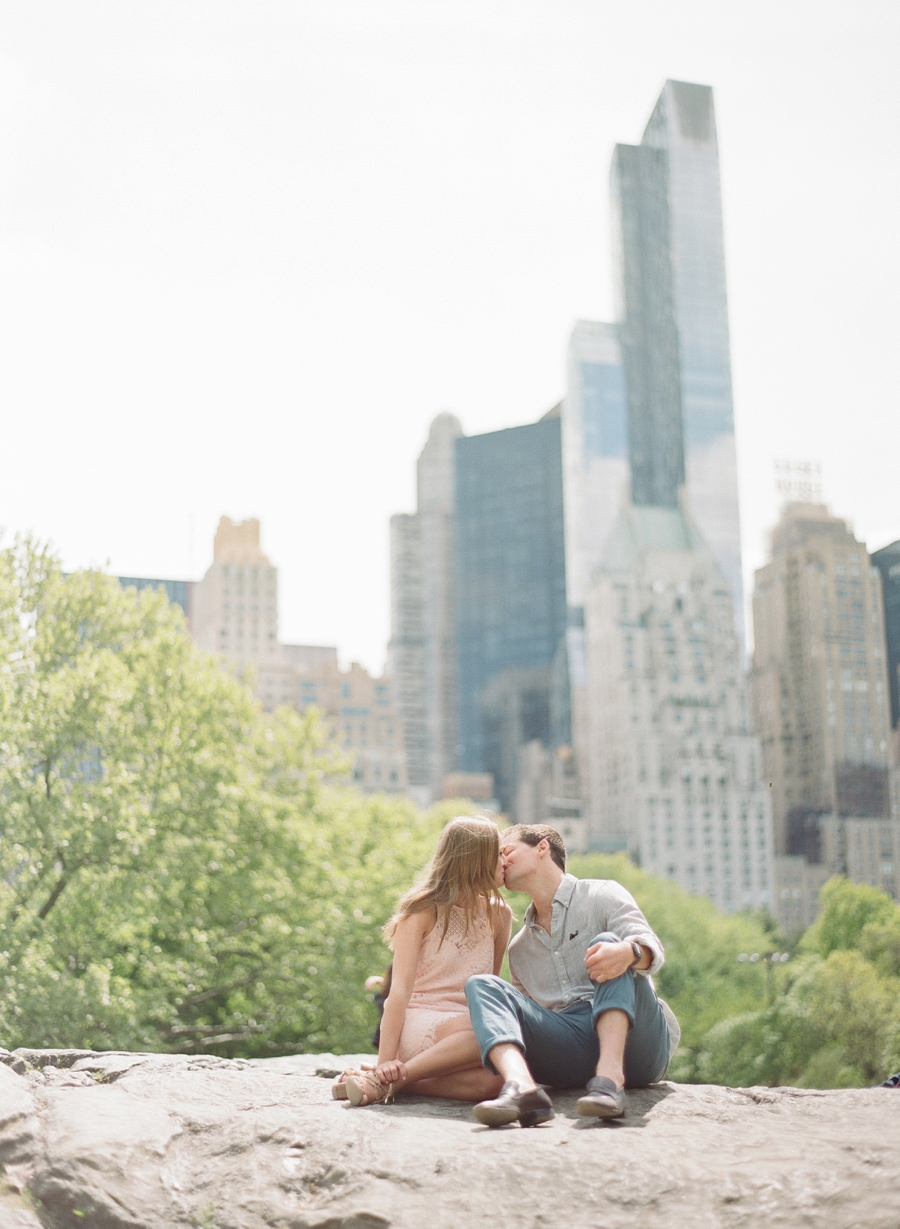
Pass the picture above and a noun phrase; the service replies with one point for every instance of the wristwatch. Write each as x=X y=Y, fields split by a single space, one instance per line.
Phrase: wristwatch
x=638 y=955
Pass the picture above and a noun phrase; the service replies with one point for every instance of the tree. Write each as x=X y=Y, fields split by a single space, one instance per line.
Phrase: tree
x=834 y=1027
x=176 y=870
x=837 y=1022
x=847 y=909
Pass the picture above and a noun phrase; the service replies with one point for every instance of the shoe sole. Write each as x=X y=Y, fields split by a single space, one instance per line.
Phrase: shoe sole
x=587 y=1107
x=339 y=1092
x=495 y=1115
x=503 y=1116
x=355 y=1094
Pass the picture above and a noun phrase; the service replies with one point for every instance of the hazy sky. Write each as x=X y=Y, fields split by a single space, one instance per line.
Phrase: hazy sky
x=248 y=250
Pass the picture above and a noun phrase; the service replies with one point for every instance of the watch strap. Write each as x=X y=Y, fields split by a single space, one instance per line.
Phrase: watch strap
x=638 y=954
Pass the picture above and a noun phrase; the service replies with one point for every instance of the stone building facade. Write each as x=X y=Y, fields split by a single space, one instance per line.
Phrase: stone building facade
x=820 y=694
x=675 y=771
x=422 y=648
x=235 y=616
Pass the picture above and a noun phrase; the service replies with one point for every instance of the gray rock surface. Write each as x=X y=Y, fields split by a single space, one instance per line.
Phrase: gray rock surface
x=141 y=1141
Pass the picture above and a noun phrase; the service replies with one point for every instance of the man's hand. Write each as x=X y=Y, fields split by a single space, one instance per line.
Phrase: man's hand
x=606 y=961
x=393 y=1072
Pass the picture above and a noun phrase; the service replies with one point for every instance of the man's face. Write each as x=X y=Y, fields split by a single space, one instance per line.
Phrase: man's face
x=519 y=862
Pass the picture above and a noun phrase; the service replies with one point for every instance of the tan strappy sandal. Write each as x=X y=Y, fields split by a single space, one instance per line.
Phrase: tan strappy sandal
x=339 y=1087
x=366 y=1084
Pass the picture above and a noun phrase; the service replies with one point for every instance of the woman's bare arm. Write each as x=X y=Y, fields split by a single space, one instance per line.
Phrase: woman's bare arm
x=408 y=939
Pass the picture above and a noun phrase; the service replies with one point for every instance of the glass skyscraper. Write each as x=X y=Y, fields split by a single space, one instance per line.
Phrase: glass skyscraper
x=510 y=593
x=178 y=591
x=887 y=560
x=595 y=449
x=674 y=321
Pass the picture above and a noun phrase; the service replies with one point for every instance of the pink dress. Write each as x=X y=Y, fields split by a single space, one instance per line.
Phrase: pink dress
x=441 y=974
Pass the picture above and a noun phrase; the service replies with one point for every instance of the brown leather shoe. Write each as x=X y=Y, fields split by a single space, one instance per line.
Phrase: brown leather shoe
x=601 y=1099
x=526 y=1108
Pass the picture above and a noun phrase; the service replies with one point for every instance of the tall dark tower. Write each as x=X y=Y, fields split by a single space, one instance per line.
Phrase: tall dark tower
x=510 y=594
x=673 y=314
x=887 y=560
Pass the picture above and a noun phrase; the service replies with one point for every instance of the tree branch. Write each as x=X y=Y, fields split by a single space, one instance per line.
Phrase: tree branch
x=54 y=896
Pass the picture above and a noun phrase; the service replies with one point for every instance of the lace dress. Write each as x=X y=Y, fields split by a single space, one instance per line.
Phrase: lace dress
x=441 y=974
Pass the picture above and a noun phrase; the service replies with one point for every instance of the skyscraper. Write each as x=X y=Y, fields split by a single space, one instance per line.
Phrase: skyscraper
x=820 y=697
x=674 y=769
x=235 y=611
x=595 y=449
x=422 y=649
x=887 y=560
x=674 y=321
x=179 y=592
x=819 y=676
x=510 y=593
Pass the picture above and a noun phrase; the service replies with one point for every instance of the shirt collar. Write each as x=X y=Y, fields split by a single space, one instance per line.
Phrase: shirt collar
x=563 y=896
x=565 y=889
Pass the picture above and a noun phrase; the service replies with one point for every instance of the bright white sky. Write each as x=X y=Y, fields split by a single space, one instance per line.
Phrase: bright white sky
x=248 y=250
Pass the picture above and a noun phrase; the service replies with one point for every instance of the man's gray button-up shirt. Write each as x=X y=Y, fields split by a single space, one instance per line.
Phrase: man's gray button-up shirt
x=582 y=908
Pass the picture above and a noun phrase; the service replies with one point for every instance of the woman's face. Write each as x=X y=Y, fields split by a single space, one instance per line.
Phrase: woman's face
x=498 y=871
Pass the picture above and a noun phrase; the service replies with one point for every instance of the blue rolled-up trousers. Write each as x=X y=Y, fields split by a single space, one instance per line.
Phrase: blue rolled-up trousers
x=561 y=1047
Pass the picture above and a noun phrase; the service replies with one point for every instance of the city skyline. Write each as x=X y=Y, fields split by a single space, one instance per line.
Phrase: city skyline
x=204 y=313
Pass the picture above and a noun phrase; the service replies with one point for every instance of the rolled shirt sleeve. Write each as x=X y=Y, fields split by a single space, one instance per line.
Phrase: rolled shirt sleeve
x=626 y=920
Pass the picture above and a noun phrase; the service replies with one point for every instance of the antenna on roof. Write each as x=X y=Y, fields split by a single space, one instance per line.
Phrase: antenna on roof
x=798 y=481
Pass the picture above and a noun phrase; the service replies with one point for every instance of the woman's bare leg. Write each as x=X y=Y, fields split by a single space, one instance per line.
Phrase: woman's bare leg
x=473 y=1084
x=456 y=1050
x=451 y=1067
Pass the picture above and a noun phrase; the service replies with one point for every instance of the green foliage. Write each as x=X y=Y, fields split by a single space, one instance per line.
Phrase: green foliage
x=880 y=943
x=701 y=980
x=175 y=871
x=847 y=909
x=837 y=1023
x=836 y=1026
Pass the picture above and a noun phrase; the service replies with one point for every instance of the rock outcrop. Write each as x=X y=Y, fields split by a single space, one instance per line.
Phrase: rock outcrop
x=149 y=1141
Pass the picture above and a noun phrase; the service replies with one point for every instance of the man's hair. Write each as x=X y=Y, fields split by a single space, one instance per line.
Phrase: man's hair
x=533 y=834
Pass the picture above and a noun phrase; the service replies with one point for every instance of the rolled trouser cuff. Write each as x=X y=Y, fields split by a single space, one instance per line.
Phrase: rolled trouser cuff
x=498 y=1041
x=492 y=1009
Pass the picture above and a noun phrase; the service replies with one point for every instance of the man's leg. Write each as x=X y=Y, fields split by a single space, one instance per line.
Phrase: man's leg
x=522 y=1040
x=613 y=1027
x=512 y=1030
x=498 y=1012
x=633 y=1040
x=647 y=1048
x=509 y=1061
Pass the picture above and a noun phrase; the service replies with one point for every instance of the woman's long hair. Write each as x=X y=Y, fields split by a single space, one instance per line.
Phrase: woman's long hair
x=461 y=872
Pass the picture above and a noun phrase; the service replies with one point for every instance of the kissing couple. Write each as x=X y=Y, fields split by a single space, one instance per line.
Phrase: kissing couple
x=581 y=1011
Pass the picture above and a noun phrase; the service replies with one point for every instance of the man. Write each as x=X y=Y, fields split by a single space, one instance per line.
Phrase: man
x=581 y=1009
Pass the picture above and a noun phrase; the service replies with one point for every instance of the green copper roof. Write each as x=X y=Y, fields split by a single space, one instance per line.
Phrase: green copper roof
x=643 y=528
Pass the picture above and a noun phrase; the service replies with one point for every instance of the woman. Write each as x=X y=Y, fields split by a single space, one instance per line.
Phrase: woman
x=449 y=927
